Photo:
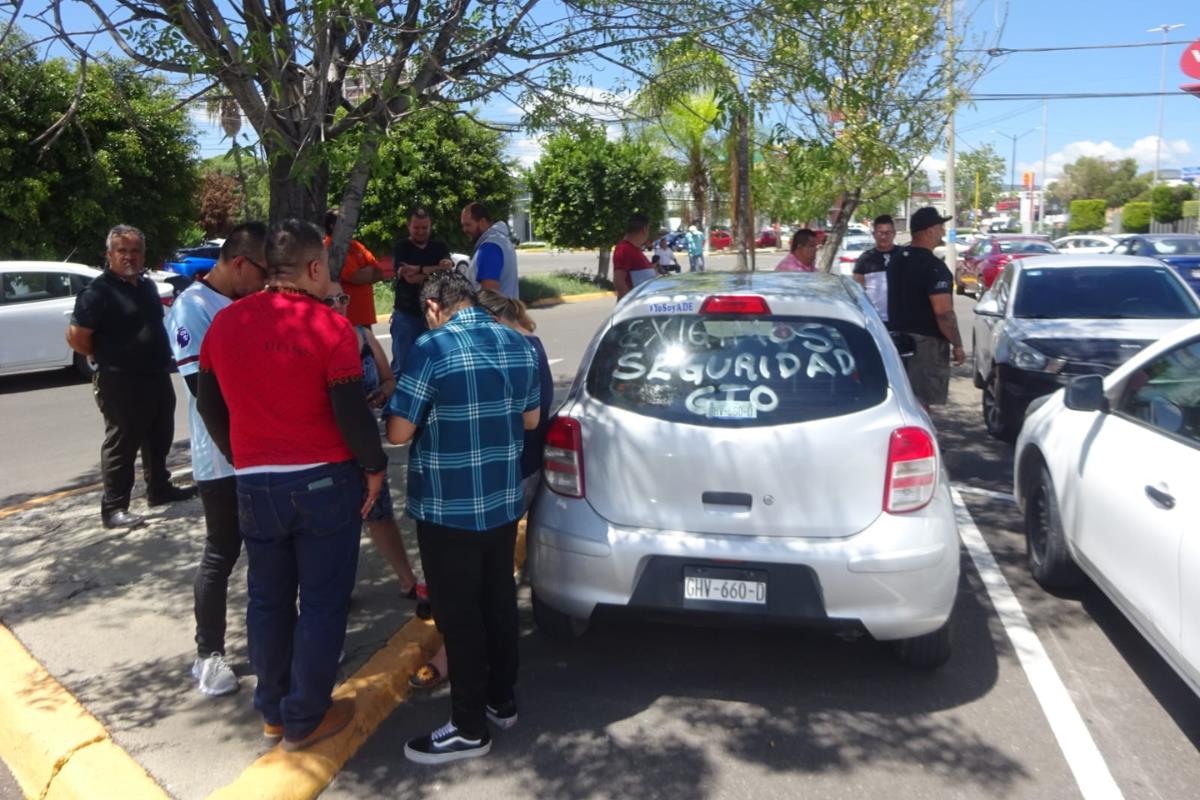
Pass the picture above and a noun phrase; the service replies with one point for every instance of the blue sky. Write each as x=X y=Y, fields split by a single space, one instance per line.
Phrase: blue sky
x=1111 y=127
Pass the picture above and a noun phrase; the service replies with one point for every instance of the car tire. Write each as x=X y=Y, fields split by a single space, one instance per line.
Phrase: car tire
x=83 y=366
x=556 y=625
x=929 y=651
x=995 y=418
x=1046 y=551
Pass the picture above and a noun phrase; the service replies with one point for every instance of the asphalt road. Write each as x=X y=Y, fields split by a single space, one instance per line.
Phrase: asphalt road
x=643 y=708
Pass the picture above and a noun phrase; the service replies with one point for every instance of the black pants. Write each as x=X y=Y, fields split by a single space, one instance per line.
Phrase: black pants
x=139 y=414
x=222 y=546
x=474 y=598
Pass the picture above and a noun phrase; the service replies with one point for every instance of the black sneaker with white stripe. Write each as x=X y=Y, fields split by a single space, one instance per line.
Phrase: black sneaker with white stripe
x=447 y=744
x=503 y=716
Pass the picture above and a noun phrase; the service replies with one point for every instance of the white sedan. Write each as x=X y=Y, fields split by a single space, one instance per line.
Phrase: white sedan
x=1086 y=243
x=36 y=302
x=1108 y=476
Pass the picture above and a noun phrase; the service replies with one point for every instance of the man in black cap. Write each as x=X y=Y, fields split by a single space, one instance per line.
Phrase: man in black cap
x=921 y=304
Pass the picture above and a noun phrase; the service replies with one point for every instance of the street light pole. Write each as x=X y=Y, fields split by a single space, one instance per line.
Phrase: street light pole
x=1012 y=168
x=1162 y=87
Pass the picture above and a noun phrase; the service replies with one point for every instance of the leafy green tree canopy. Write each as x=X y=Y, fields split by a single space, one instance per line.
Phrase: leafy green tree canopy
x=1087 y=216
x=1136 y=218
x=433 y=159
x=985 y=165
x=121 y=154
x=584 y=187
x=1117 y=182
x=1166 y=202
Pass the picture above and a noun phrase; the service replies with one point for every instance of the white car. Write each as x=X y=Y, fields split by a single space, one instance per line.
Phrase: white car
x=36 y=301
x=1108 y=476
x=852 y=247
x=1086 y=243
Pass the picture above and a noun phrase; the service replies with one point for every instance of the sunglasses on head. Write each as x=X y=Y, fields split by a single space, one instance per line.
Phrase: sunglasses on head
x=333 y=301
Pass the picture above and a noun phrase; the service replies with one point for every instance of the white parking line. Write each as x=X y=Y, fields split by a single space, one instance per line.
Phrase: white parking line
x=962 y=487
x=1083 y=757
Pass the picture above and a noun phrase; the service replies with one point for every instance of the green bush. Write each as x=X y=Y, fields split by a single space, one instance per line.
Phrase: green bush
x=1136 y=218
x=1191 y=208
x=1087 y=216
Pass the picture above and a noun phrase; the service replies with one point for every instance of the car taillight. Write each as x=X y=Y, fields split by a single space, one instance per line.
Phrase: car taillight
x=734 y=304
x=168 y=300
x=911 y=471
x=562 y=465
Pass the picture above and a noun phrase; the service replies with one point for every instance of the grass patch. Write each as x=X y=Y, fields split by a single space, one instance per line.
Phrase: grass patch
x=533 y=288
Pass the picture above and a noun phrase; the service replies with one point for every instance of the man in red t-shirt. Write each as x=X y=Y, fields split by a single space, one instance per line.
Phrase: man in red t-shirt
x=359 y=274
x=629 y=263
x=280 y=391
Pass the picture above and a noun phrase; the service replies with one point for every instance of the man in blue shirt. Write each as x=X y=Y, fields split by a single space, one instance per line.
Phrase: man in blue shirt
x=494 y=265
x=469 y=391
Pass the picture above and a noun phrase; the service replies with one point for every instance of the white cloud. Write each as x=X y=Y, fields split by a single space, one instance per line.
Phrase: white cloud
x=1174 y=153
x=934 y=167
x=526 y=149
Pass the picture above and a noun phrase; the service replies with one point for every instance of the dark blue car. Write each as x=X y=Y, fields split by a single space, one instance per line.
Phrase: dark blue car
x=193 y=262
x=1180 y=250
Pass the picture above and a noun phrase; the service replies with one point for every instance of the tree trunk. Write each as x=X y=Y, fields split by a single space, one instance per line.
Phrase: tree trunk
x=602 y=262
x=352 y=196
x=293 y=196
x=833 y=241
x=745 y=226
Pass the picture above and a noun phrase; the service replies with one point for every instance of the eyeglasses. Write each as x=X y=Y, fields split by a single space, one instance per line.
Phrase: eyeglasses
x=256 y=265
x=336 y=300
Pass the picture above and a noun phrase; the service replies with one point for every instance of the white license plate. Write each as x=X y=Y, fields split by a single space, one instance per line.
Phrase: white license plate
x=724 y=590
x=1196 y=273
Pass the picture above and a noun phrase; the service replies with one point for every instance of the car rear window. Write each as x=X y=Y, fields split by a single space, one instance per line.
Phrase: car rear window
x=1020 y=246
x=737 y=372
x=1103 y=293
x=1174 y=247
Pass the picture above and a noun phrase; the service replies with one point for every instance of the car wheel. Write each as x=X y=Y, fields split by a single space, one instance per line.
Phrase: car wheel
x=1045 y=545
x=83 y=366
x=995 y=418
x=556 y=625
x=926 y=652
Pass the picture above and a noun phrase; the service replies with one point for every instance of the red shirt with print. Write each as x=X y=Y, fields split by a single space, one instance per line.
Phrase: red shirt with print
x=276 y=354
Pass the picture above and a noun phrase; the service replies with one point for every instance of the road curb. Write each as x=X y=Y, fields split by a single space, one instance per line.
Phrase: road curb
x=571 y=298
x=55 y=749
x=378 y=688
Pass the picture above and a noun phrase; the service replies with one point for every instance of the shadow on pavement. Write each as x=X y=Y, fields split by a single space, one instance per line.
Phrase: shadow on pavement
x=32 y=381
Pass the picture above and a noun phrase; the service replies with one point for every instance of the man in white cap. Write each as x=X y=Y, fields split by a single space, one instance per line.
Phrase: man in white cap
x=695 y=248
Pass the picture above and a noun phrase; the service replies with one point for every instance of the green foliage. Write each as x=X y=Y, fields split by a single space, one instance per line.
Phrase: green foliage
x=985 y=164
x=220 y=204
x=433 y=159
x=1191 y=208
x=1136 y=218
x=1087 y=216
x=561 y=284
x=1116 y=181
x=1166 y=202
x=584 y=187
x=124 y=157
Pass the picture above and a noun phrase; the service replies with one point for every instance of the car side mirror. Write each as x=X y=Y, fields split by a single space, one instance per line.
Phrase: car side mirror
x=1086 y=393
x=906 y=345
x=989 y=306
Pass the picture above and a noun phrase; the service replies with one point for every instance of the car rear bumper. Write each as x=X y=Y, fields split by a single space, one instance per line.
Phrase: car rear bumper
x=897 y=579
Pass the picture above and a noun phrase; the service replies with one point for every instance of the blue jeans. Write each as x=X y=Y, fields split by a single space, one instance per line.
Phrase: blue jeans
x=301 y=531
x=696 y=262
x=405 y=330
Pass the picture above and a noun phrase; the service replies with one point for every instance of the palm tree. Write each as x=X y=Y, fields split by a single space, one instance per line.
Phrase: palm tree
x=224 y=109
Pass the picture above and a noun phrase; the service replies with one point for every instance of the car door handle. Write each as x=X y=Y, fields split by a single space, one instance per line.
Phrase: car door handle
x=1164 y=499
x=726 y=499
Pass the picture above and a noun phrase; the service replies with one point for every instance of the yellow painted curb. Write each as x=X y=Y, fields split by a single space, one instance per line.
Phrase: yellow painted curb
x=48 y=498
x=378 y=688
x=52 y=745
x=571 y=298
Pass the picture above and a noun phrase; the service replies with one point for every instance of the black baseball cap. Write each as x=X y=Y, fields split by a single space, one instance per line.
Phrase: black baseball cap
x=924 y=218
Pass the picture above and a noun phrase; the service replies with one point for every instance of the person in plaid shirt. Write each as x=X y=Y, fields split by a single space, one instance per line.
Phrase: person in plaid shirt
x=469 y=390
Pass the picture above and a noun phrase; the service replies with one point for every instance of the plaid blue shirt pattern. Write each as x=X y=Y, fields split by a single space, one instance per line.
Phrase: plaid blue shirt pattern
x=465 y=386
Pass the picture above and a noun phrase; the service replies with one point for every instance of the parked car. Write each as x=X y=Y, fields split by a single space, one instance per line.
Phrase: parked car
x=194 y=262
x=719 y=239
x=979 y=267
x=677 y=240
x=1181 y=251
x=852 y=247
x=671 y=476
x=965 y=242
x=1086 y=243
x=1107 y=475
x=1047 y=320
x=858 y=228
x=767 y=238
x=36 y=301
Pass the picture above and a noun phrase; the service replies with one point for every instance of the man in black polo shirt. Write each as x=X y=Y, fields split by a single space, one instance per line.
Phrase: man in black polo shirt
x=870 y=269
x=921 y=304
x=118 y=322
x=414 y=258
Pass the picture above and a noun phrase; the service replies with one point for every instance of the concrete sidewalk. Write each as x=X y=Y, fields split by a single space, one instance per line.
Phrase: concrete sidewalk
x=109 y=615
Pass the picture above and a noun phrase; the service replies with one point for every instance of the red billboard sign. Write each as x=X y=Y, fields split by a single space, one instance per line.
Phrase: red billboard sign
x=1190 y=61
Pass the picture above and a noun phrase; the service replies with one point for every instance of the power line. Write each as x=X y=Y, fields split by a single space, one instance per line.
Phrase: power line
x=996 y=52
x=1072 y=95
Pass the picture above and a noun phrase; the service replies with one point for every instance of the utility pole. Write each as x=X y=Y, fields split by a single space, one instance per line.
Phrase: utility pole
x=1012 y=164
x=1162 y=87
x=951 y=206
x=1041 y=217
x=976 y=206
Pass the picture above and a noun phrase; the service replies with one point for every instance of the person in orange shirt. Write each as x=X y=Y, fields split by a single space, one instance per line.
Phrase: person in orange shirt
x=360 y=272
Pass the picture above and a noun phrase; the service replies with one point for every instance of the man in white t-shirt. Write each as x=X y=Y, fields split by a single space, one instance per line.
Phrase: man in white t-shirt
x=241 y=270
x=665 y=255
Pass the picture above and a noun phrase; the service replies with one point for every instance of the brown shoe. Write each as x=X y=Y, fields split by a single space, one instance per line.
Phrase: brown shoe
x=272 y=731
x=336 y=718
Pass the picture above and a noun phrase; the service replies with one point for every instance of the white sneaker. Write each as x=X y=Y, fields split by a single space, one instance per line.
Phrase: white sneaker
x=214 y=676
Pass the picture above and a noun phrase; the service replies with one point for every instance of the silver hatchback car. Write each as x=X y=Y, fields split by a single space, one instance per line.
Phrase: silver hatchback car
x=747 y=444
